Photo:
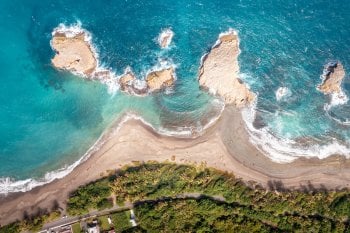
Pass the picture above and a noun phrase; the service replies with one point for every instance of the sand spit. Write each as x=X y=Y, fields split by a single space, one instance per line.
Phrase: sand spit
x=333 y=75
x=73 y=53
x=219 y=71
x=218 y=147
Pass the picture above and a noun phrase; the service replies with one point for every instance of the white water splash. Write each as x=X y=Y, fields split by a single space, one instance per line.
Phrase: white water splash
x=282 y=93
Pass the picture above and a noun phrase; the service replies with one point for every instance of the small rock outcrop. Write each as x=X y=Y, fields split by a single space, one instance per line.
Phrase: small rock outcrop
x=127 y=80
x=160 y=79
x=73 y=53
x=155 y=80
x=333 y=75
x=219 y=71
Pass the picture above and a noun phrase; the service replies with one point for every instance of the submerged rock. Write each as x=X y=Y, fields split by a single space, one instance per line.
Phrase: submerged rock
x=160 y=79
x=219 y=71
x=101 y=74
x=73 y=53
x=165 y=38
x=333 y=75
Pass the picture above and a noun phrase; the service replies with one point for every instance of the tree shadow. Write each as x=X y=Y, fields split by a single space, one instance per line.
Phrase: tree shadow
x=276 y=185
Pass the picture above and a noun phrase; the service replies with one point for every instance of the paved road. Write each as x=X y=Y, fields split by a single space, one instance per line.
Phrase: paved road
x=71 y=220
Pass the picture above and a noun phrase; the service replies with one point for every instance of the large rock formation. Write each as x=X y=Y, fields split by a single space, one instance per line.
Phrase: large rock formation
x=157 y=80
x=73 y=53
x=219 y=71
x=333 y=75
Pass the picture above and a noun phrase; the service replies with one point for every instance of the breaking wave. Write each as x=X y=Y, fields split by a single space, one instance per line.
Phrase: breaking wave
x=286 y=150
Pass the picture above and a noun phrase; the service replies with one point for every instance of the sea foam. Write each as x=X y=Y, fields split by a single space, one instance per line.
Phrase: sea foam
x=336 y=99
x=286 y=150
x=72 y=30
x=282 y=93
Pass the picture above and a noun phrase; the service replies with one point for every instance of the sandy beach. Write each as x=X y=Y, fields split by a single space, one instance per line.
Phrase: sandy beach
x=224 y=146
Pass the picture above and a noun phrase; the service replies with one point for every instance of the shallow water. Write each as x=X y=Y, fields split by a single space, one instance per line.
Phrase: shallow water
x=49 y=119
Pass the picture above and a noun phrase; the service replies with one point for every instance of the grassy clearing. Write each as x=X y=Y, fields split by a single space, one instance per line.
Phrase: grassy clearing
x=76 y=228
x=121 y=221
x=103 y=222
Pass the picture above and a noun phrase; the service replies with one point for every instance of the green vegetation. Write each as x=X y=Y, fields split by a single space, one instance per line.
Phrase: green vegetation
x=92 y=196
x=31 y=223
x=11 y=228
x=103 y=222
x=154 y=180
x=181 y=198
x=253 y=207
x=76 y=228
x=207 y=215
x=198 y=216
x=121 y=221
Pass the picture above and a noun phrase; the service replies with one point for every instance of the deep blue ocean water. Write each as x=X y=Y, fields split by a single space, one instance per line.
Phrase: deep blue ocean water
x=49 y=119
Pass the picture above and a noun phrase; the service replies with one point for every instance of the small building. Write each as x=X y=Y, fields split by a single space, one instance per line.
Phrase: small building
x=109 y=220
x=133 y=222
x=132 y=218
x=93 y=227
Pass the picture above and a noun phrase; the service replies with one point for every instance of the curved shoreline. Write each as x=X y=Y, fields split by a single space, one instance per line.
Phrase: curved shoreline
x=26 y=185
x=227 y=140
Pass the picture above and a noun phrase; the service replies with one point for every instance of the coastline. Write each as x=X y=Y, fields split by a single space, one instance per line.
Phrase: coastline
x=227 y=140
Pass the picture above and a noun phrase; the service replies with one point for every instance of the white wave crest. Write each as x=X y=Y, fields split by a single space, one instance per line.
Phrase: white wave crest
x=230 y=31
x=282 y=93
x=71 y=30
x=336 y=99
x=285 y=150
x=107 y=77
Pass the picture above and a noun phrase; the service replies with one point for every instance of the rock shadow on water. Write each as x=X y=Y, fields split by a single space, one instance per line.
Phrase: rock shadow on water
x=40 y=53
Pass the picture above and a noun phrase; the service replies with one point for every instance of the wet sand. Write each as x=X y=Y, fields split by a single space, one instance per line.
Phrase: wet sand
x=224 y=146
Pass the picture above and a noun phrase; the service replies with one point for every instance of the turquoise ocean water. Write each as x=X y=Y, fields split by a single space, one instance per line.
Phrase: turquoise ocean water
x=50 y=119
